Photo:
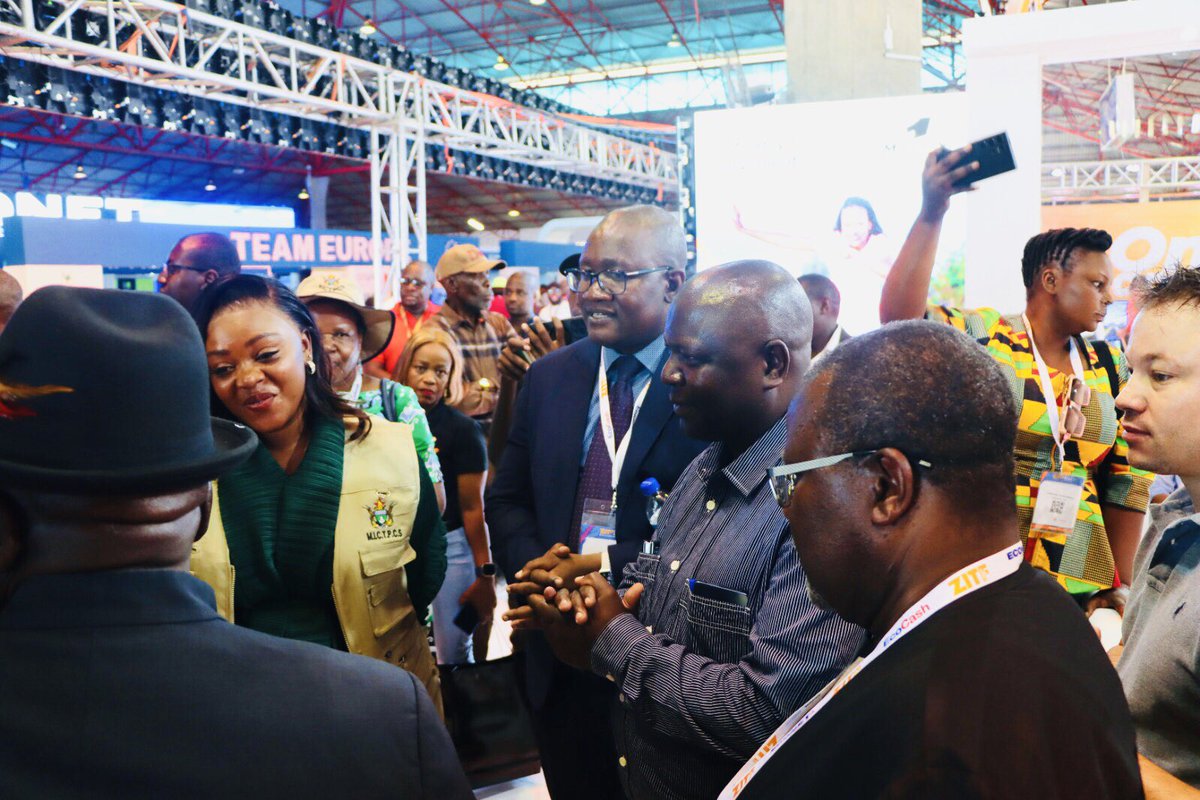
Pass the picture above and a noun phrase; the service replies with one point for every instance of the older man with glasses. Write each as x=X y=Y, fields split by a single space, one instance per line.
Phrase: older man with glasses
x=715 y=641
x=413 y=311
x=591 y=423
x=198 y=261
x=980 y=677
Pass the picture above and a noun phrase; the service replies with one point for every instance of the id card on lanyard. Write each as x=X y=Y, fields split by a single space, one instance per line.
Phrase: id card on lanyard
x=1060 y=492
x=598 y=525
x=968 y=579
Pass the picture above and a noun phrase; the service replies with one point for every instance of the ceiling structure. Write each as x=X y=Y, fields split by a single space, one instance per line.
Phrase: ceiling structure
x=42 y=150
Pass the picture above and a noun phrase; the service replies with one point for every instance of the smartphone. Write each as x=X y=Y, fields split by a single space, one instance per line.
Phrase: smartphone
x=467 y=618
x=574 y=329
x=994 y=155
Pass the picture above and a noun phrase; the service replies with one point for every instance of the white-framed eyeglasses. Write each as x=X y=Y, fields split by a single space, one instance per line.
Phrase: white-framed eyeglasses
x=783 y=477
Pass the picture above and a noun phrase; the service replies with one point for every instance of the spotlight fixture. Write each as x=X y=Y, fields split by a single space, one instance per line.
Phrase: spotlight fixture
x=79 y=173
x=303 y=193
x=475 y=224
x=210 y=186
x=368 y=28
x=514 y=213
x=537 y=2
x=501 y=64
x=674 y=41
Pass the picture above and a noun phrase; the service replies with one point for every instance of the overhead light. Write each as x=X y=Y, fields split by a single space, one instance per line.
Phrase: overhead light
x=512 y=212
x=537 y=2
x=674 y=41
x=210 y=186
x=475 y=224
x=368 y=28
x=79 y=173
x=1058 y=172
x=501 y=64
x=303 y=193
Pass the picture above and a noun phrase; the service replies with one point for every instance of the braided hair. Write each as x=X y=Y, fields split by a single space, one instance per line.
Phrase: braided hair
x=1056 y=248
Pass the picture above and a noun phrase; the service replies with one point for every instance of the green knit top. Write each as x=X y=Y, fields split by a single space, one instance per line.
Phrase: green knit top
x=280 y=530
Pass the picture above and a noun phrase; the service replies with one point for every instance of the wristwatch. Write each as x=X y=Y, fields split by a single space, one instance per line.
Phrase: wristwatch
x=485 y=570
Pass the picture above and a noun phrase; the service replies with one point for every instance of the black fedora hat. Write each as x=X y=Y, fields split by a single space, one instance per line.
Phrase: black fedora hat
x=107 y=391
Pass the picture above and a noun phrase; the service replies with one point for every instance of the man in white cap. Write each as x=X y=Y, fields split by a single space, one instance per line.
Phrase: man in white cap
x=463 y=271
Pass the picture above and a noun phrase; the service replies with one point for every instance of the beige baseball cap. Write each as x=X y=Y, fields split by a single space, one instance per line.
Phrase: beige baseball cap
x=342 y=288
x=465 y=258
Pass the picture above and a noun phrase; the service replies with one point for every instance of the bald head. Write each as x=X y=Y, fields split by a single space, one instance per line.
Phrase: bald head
x=196 y=262
x=658 y=231
x=758 y=297
x=10 y=297
x=739 y=337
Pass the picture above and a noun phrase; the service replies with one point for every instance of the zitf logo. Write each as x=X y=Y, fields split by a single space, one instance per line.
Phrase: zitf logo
x=380 y=513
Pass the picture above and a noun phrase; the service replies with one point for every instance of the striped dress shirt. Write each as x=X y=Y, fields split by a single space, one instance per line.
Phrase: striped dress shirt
x=703 y=681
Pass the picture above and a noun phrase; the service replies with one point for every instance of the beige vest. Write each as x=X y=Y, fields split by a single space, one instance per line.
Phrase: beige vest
x=372 y=543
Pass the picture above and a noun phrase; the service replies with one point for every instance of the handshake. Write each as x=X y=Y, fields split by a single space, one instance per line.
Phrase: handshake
x=564 y=595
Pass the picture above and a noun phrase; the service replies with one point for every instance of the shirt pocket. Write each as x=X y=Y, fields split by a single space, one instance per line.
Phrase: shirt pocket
x=716 y=629
x=386 y=584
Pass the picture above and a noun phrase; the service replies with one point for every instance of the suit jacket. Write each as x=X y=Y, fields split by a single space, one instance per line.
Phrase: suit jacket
x=530 y=503
x=128 y=684
x=1005 y=693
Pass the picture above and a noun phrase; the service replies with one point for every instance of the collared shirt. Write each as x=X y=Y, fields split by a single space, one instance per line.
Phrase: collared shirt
x=650 y=357
x=703 y=681
x=834 y=340
x=1083 y=561
x=1161 y=631
x=481 y=341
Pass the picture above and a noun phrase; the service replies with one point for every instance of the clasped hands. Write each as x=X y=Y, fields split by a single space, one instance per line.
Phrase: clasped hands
x=563 y=595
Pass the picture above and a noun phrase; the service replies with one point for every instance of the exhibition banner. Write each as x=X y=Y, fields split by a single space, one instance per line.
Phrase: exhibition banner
x=1147 y=237
x=827 y=188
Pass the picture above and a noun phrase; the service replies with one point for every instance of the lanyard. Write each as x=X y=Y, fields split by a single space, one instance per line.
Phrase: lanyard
x=1060 y=437
x=616 y=453
x=982 y=573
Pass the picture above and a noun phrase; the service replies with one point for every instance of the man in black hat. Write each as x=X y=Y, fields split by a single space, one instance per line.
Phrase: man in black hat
x=118 y=678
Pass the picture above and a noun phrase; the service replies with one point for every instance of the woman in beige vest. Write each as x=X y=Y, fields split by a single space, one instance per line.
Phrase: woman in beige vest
x=331 y=528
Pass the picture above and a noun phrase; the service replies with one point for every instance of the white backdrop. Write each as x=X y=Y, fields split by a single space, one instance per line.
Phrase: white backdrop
x=771 y=181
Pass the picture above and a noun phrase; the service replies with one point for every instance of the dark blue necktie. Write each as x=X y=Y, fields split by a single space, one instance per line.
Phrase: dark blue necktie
x=595 y=480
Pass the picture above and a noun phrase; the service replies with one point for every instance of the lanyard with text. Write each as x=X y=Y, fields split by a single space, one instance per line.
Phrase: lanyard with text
x=1059 y=493
x=616 y=453
x=1056 y=426
x=982 y=573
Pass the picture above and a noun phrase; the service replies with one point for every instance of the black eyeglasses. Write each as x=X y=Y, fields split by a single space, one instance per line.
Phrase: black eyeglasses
x=610 y=281
x=783 y=477
x=175 y=269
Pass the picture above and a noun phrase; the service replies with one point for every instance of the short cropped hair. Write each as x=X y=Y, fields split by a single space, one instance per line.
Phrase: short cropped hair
x=820 y=287
x=1178 y=286
x=1057 y=247
x=930 y=392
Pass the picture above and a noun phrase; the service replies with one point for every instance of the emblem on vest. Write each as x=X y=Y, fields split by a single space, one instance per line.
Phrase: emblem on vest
x=380 y=513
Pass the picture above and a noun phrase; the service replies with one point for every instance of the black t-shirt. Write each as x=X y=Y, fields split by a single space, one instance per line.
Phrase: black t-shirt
x=461 y=450
x=1005 y=693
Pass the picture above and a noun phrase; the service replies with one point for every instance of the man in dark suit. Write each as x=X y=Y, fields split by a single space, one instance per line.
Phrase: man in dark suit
x=826 y=303
x=550 y=507
x=981 y=677
x=118 y=678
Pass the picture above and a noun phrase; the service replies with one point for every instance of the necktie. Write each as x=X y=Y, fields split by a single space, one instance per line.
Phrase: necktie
x=595 y=480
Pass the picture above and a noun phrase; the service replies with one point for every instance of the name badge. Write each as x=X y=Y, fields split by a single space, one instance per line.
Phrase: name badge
x=597 y=527
x=1057 y=504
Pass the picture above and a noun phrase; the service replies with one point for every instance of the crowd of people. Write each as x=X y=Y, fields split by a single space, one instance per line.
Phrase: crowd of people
x=747 y=553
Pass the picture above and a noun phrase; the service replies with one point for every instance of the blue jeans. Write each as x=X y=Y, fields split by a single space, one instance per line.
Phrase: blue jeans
x=453 y=643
